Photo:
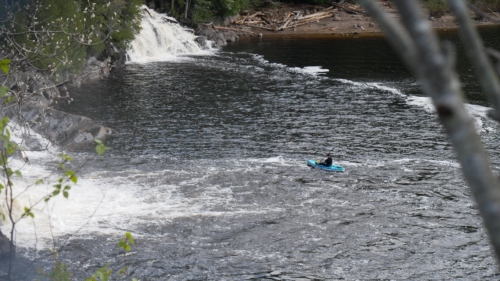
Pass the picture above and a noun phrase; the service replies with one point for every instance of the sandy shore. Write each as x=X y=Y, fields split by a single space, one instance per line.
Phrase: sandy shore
x=348 y=24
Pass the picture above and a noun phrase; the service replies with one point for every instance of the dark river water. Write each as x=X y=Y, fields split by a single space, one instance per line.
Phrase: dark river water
x=208 y=169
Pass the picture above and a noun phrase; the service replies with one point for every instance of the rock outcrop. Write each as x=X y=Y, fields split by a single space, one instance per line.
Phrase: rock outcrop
x=220 y=38
x=4 y=246
x=36 y=93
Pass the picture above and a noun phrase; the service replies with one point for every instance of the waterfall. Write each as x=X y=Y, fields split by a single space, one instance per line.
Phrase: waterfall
x=162 y=39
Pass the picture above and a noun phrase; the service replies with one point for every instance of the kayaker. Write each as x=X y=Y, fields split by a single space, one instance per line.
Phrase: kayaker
x=326 y=162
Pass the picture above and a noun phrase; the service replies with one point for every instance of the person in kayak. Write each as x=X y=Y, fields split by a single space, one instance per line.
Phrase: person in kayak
x=326 y=162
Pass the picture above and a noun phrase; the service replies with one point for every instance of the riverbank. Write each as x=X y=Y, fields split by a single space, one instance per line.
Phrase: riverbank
x=340 y=21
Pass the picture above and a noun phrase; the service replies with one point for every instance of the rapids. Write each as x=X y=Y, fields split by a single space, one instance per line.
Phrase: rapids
x=208 y=170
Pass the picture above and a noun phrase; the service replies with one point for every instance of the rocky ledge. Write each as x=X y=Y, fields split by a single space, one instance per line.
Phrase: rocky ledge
x=34 y=109
x=219 y=37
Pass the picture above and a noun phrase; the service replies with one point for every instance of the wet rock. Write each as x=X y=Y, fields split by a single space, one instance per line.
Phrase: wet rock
x=185 y=21
x=59 y=127
x=4 y=246
x=230 y=36
x=38 y=93
x=30 y=83
x=63 y=91
x=202 y=41
x=93 y=69
x=220 y=38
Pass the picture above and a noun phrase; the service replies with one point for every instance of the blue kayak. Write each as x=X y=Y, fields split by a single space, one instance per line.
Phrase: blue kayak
x=332 y=168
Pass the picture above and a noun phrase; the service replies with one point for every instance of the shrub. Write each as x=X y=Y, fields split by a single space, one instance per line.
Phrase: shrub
x=487 y=5
x=437 y=8
x=57 y=35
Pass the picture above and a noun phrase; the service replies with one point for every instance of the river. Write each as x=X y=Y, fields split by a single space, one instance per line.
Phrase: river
x=208 y=170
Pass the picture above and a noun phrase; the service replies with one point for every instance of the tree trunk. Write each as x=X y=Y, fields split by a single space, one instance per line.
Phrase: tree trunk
x=186 y=10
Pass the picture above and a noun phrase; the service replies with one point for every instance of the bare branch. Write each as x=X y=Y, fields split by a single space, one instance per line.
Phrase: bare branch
x=476 y=52
x=440 y=82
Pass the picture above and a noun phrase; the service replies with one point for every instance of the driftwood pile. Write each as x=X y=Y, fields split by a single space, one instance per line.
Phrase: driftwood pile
x=279 y=20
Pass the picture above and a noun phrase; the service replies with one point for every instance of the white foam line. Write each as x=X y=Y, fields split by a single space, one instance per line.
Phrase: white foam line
x=385 y=88
x=478 y=112
x=309 y=70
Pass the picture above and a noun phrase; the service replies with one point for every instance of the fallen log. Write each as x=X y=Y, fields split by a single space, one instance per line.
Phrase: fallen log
x=316 y=15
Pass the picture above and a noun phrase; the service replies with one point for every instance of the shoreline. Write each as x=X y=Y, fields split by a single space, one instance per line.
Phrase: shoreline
x=343 y=24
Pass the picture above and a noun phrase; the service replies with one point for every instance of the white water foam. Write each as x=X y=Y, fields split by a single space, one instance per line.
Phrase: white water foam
x=478 y=112
x=162 y=39
x=104 y=204
x=311 y=70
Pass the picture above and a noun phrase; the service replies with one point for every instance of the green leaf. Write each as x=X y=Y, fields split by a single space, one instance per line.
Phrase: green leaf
x=18 y=173
x=74 y=179
x=100 y=147
x=9 y=99
x=3 y=91
x=121 y=244
x=69 y=173
x=65 y=194
x=39 y=182
x=129 y=237
x=4 y=65
x=66 y=157
x=27 y=212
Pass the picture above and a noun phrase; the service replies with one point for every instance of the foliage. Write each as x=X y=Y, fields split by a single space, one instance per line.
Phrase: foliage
x=100 y=148
x=62 y=186
x=203 y=10
x=120 y=19
x=59 y=273
x=102 y=274
x=126 y=242
x=436 y=8
x=57 y=35
x=229 y=7
x=487 y=5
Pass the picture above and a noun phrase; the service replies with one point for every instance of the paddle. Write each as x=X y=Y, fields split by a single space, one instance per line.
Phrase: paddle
x=319 y=161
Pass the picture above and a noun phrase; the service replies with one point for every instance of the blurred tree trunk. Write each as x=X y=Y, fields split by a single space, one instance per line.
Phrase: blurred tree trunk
x=432 y=62
x=186 y=9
